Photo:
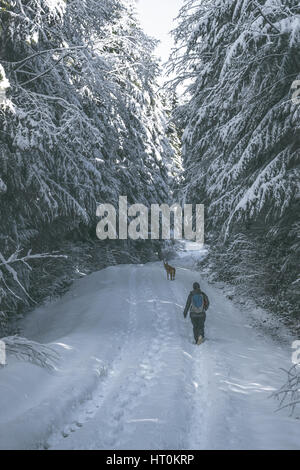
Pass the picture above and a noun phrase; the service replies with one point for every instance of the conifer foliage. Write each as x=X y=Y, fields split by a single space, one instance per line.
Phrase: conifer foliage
x=82 y=122
x=241 y=139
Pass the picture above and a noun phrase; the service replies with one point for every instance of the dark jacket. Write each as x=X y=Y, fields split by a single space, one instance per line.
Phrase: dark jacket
x=189 y=301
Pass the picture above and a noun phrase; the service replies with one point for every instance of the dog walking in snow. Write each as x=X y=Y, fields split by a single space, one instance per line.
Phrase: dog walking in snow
x=171 y=272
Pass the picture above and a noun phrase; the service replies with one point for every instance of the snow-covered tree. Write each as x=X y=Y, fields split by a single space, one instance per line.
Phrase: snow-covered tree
x=83 y=122
x=241 y=139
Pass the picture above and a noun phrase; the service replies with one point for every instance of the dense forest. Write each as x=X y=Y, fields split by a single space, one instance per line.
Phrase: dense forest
x=149 y=343
x=241 y=141
x=84 y=120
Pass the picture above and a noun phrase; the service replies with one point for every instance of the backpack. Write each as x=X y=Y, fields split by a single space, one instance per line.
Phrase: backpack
x=198 y=303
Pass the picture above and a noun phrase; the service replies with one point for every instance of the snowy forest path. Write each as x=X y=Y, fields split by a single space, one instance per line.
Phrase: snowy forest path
x=128 y=404
x=131 y=377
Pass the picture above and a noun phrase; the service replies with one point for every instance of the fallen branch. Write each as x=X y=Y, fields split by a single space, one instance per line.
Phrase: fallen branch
x=289 y=393
x=30 y=351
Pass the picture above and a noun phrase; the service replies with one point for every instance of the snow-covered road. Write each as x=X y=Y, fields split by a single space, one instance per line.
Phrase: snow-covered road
x=130 y=377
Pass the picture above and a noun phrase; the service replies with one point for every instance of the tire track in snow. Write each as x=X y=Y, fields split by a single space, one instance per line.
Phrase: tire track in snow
x=211 y=409
x=123 y=397
x=193 y=395
x=132 y=393
x=87 y=409
x=196 y=379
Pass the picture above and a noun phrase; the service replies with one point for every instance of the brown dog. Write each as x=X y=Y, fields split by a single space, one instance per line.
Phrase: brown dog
x=170 y=271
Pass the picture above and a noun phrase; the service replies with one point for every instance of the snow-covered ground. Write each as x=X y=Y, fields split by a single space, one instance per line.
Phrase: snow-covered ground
x=130 y=378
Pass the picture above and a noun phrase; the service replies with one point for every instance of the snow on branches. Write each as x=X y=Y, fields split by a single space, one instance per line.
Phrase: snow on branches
x=6 y=264
x=31 y=351
x=86 y=123
x=289 y=394
x=241 y=143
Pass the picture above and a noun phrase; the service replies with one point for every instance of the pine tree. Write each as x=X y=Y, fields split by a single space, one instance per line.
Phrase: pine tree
x=82 y=123
x=241 y=138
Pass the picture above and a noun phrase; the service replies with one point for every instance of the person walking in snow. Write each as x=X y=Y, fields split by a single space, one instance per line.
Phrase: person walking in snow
x=198 y=303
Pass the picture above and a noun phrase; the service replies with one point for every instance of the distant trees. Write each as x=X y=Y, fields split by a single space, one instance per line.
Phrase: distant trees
x=82 y=123
x=241 y=142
